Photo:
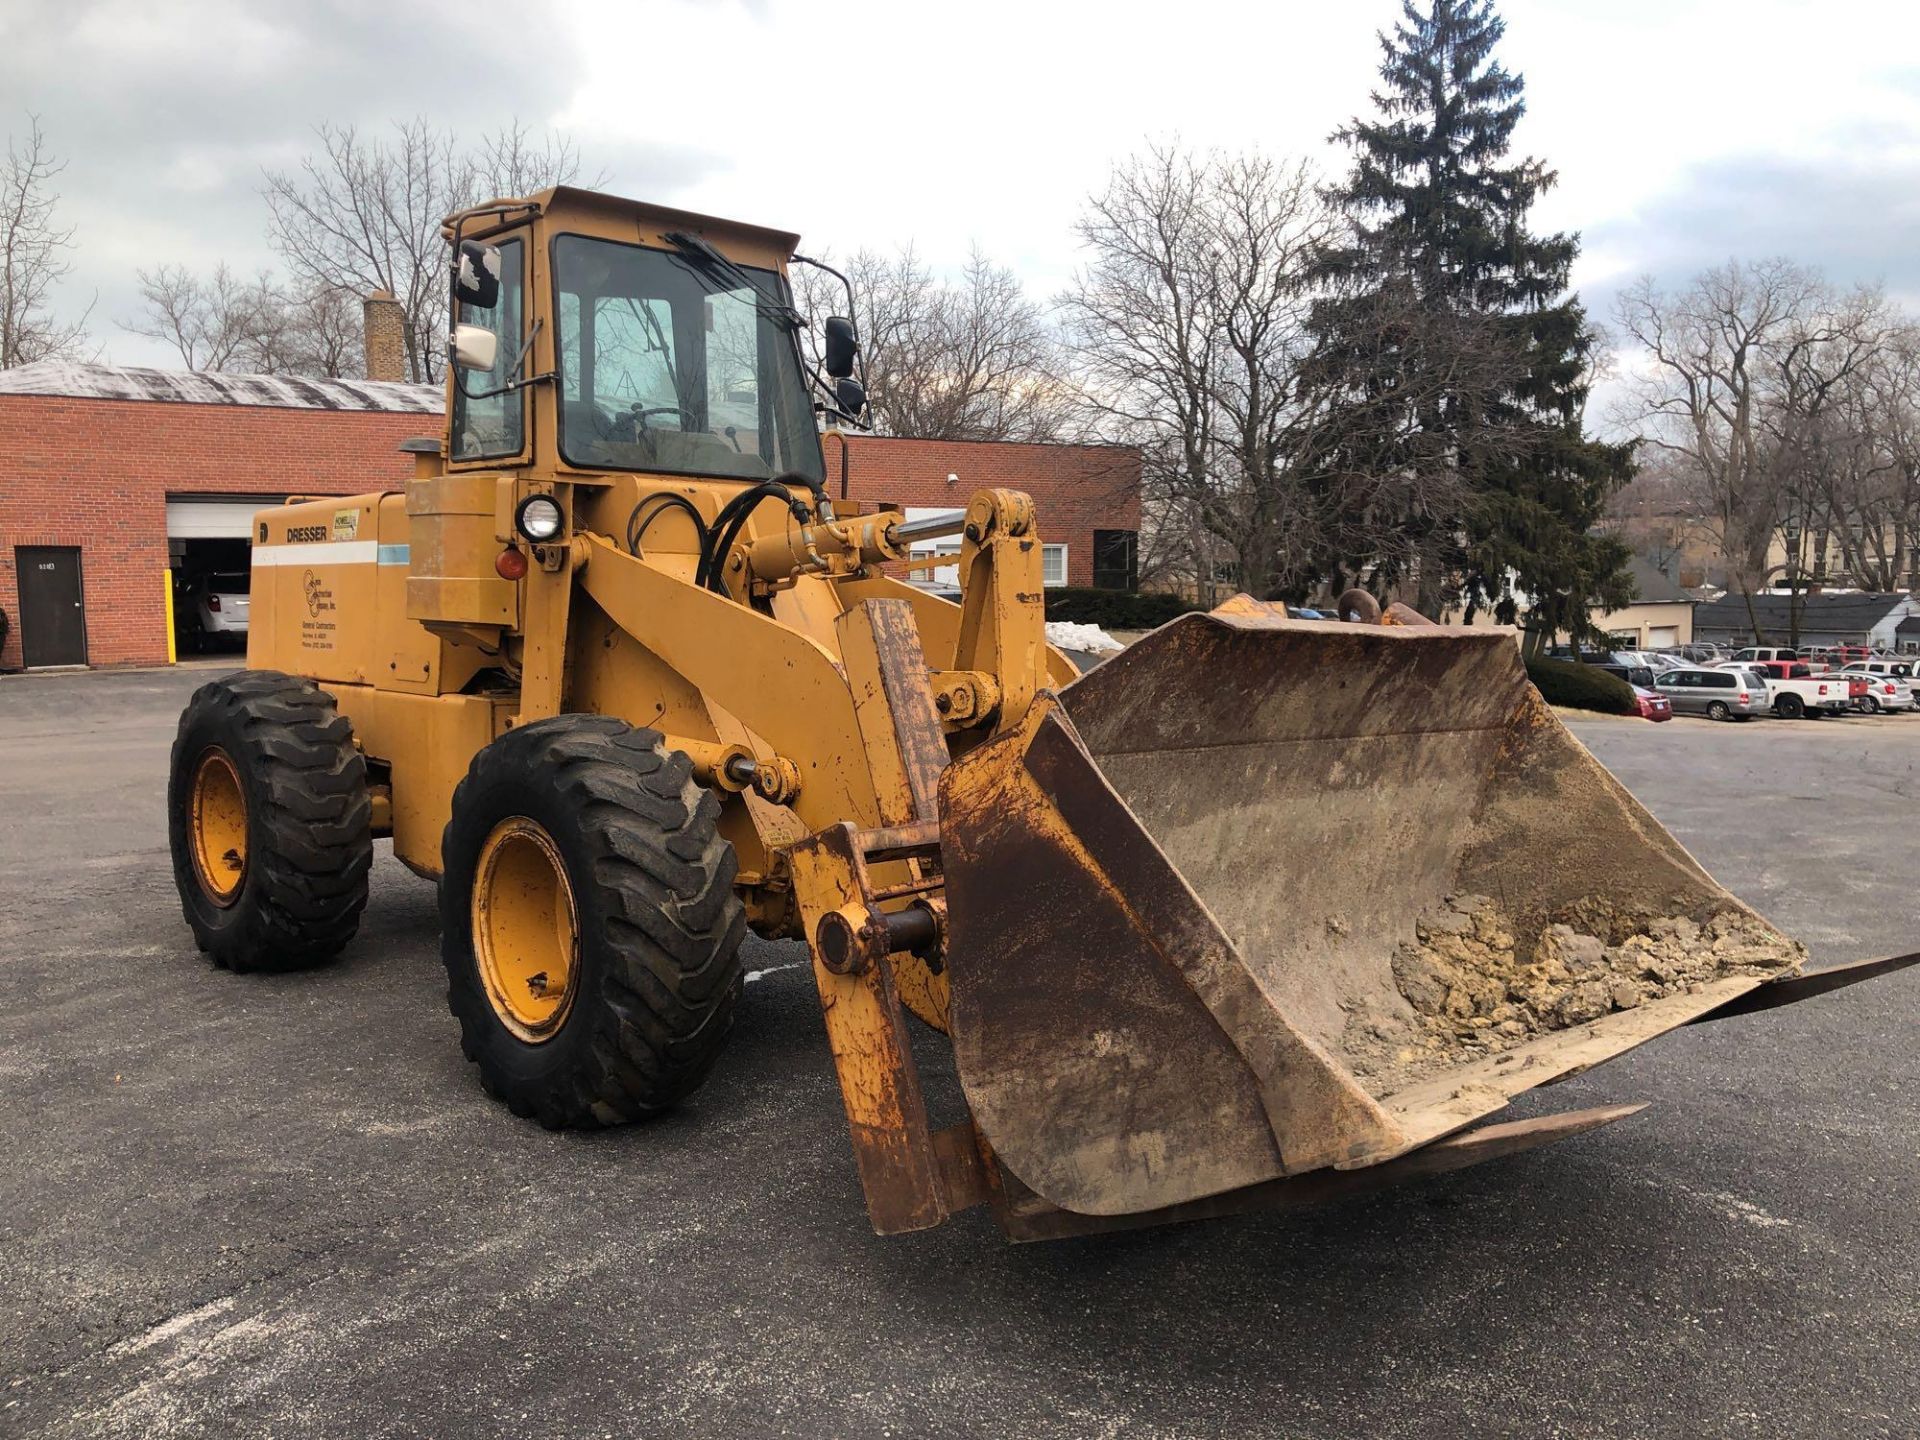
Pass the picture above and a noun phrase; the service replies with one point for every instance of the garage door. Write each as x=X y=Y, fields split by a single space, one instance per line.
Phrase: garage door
x=1659 y=637
x=215 y=519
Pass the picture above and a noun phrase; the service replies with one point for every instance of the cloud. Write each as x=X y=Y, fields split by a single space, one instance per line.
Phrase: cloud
x=1680 y=138
x=1856 y=219
x=169 y=115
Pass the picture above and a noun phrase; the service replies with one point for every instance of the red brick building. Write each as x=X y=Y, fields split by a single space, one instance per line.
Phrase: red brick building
x=1086 y=497
x=117 y=484
x=113 y=479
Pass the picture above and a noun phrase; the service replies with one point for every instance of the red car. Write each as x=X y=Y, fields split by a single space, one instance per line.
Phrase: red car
x=1653 y=706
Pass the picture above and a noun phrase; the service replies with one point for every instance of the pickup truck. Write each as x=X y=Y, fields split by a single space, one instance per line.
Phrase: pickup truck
x=1798 y=691
x=1858 y=686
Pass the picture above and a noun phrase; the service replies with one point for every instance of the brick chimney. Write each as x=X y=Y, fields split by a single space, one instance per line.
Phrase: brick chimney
x=386 y=332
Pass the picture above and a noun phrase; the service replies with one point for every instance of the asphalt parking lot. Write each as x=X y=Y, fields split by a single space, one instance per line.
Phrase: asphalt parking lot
x=281 y=1205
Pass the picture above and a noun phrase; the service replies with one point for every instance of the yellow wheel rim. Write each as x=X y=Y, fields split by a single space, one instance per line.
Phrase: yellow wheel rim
x=219 y=825
x=526 y=936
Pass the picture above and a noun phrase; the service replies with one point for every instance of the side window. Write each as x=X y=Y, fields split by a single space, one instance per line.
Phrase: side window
x=494 y=425
x=733 y=368
x=1720 y=680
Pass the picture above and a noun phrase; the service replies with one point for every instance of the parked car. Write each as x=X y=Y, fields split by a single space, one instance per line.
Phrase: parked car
x=1840 y=656
x=1763 y=652
x=1716 y=694
x=1883 y=691
x=1649 y=659
x=1697 y=653
x=1616 y=665
x=1632 y=674
x=1653 y=705
x=1898 y=669
x=215 y=607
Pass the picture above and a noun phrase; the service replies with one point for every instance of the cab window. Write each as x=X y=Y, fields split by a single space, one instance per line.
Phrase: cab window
x=669 y=364
x=494 y=426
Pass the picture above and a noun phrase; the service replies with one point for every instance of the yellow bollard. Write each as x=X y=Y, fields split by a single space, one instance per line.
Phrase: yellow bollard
x=166 y=585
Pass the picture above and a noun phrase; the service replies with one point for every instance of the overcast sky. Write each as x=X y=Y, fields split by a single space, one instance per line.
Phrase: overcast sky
x=1684 y=131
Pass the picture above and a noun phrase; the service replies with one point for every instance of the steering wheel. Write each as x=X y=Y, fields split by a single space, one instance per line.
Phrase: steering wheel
x=635 y=420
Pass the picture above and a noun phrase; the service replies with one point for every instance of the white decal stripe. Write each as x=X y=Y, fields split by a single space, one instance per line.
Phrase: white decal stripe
x=321 y=552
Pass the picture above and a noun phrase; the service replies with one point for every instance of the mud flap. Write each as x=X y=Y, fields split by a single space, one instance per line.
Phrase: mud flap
x=1177 y=893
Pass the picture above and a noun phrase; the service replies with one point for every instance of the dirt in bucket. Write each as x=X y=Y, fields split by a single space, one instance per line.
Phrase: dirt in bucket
x=1472 y=991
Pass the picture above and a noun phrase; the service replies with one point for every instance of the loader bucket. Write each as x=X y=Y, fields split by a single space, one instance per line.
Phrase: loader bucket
x=1263 y=896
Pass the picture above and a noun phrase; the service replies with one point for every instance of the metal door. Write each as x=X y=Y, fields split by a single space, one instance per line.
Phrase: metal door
x=53 y=619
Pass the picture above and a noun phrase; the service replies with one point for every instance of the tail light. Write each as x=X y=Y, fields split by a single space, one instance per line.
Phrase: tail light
x=213 y=602
x=1823 y=689
x=1744 y=697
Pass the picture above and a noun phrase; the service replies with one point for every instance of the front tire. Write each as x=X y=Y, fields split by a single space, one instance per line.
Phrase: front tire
x=269 y=822
x=588 y=922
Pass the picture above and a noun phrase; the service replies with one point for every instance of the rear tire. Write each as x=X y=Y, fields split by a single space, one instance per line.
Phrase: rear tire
x=1718 y=710
x=1870 y=705
x=269 y=822
x=1789 y=707
x=609 y=994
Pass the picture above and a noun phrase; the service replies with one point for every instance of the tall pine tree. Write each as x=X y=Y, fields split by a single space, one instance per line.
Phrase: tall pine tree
x=1443 y=298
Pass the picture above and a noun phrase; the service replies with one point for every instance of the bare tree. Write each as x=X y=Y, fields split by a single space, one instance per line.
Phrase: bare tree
x=1141 y=316
x=325 y=334
x=213 y=324
x=970 y=359
x=364 y=214
x=33 y=251
x=1190 y=324
x=1789 y=412
x=1712 y=351
x=257 y=326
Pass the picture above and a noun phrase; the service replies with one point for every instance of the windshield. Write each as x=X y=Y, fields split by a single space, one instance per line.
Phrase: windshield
x=667 y=366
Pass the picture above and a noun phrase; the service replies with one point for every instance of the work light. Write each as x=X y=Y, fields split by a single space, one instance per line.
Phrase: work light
x=538 y=518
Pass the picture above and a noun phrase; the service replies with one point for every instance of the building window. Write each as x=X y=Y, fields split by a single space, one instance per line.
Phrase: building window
x=1116 y=563
x=945 y=549
x=1053 y=564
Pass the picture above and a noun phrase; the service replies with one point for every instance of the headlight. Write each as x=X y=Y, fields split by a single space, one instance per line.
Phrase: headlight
x=539 y=518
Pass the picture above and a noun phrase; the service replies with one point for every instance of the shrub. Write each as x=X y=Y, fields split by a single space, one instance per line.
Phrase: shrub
x=1114 y=609
x=1582 y=687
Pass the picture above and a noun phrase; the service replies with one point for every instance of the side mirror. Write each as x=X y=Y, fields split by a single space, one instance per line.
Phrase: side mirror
x=474 y=347
x=841 y=346
x=850 y=395
x=476 y=275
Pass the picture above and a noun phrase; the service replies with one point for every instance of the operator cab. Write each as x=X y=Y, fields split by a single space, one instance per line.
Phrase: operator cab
x=629 y=338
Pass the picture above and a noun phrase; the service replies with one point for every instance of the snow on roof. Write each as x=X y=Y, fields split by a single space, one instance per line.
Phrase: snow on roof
x=210 y=387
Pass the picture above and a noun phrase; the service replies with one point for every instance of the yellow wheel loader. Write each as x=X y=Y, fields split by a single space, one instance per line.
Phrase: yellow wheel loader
x=1261 y=912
